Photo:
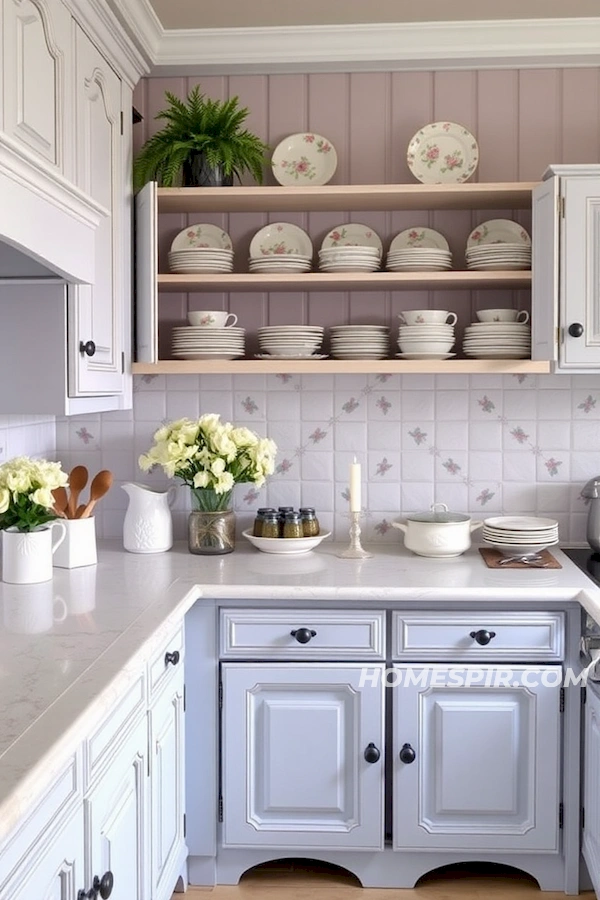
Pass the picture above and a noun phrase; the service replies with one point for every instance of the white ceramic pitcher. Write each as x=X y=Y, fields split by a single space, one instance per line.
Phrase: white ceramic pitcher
x=148 y=527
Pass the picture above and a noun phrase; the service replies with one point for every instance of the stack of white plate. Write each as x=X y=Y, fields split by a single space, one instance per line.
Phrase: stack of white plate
x=425 y=341
x=290 y=341
x=351 y=248
x=498 y=244
x=497 y=340
x=360 y=341
x=201 y=248
x=280 y=247
x=419 y=250
x=520 y=535
x=199 y=342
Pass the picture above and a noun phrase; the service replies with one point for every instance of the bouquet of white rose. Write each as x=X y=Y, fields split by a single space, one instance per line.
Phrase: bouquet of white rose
x=26 y=486
x=210 y=456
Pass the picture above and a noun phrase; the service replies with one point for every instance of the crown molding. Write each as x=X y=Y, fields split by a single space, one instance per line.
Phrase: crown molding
x=104 y=21
x=530 y=43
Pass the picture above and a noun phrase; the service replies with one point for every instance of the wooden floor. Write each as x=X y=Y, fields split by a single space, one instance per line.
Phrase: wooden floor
x=289 y=881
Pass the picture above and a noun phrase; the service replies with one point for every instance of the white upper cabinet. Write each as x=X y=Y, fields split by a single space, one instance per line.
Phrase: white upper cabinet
x=36 y=57
x=566 y=268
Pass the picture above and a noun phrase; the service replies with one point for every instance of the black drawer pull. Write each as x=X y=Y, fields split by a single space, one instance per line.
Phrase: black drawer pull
x=303 y=635
x=482 y=636
x=172 y=658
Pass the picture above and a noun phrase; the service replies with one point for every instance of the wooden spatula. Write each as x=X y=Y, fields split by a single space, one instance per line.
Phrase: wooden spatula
x=77 y=481
x=101 y=484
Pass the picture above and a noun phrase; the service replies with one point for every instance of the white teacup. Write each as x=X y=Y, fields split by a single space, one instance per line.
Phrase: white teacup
x=212 y=318
x=503 y=315
x=428 y=317
x=32 y=608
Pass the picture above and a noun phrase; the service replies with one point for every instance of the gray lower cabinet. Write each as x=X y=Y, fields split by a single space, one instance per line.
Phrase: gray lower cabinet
x=591 y=801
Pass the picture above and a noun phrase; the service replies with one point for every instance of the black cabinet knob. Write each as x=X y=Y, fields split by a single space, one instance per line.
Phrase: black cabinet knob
x=576 y=329
x=372 y=754
x=89 y=348
x=172 y=658
x=482 y=636
x=104 y=885
x=407 y=754
x=303 y=635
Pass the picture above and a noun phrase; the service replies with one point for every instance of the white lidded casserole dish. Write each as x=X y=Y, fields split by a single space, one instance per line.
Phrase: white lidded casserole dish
x=438 y=532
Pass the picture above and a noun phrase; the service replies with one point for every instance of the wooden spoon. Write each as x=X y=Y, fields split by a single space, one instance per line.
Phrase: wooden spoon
x=101 y=484
x=61 y=499
x=77 y=481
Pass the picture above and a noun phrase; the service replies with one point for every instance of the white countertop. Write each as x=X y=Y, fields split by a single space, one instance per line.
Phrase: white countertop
x=55 y=682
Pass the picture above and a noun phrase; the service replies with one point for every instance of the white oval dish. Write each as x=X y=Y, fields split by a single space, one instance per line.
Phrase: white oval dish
x=304 y=158
x=292 y=546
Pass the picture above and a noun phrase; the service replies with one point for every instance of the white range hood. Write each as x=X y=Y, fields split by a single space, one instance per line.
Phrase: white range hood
x=46 y=217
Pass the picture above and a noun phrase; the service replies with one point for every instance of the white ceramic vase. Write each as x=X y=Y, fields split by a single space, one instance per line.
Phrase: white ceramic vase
x=148 y=527
x=27 y=555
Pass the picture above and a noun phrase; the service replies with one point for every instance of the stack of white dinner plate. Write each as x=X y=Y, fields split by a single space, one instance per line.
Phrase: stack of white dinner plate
x=201 y=248
x=351 y=248
x=498 y=244
x=520 y=535
x=425 y=341
x=419 y=250
x=290 y=341
x=497 y=340
x=199 y=342
x=280 y=247
x=360 y=341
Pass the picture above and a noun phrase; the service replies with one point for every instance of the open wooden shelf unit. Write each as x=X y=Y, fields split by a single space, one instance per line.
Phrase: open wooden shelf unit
x=342 y=367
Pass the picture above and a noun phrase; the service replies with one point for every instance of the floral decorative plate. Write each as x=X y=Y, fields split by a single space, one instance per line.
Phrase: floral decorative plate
x=304 y=159
x=281 y=239
x=442 y=153
x=352 y=235
x=419 y=237
x=202 y=235
x=498 y=231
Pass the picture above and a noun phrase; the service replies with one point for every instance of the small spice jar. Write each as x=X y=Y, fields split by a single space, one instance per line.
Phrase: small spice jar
x=310 y=523
x=283 y=511
x=292 y=526
x=270 y=525
x=257 y=528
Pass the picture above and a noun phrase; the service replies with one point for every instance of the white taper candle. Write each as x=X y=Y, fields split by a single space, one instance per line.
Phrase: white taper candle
x=355 y=486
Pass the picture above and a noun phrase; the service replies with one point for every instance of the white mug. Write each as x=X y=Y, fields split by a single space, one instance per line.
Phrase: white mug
x=27 y=555
x=427 y=317
x=32 y=608
x=503 y=315
x=212 y=318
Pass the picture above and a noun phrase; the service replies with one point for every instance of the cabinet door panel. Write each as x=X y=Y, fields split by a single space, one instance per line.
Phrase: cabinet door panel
x=486 y=773
x=36 y=37
x=96 y=310
x=116 y=818
x=59 y=873
x=293 y=743
x=591 y=803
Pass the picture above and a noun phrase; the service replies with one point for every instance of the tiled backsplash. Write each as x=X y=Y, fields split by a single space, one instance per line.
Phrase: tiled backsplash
x=481 y=444
x=26 y=436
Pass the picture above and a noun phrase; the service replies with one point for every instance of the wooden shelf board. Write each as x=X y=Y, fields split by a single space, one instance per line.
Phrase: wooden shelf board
x=356 y=197
x=342 y=366
x=352 y=281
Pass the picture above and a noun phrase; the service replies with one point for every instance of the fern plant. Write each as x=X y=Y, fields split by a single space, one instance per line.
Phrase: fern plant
x=198 y=126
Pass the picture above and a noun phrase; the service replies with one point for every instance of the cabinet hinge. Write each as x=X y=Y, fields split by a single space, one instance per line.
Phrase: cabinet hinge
x=560 y=206
x=123 y=363
x=184 y=698
x=220 y=695
x=561 y=815
x=562 y=700
x=220 y=807
x=584 y=695
x=122 y=123
x=583 y=817
x=184 y=825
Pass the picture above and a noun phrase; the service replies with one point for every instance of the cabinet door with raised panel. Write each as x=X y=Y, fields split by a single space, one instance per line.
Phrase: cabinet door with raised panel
x=477 y=758
x=116 y=812
x=302 y=755
x=35 y=63
x=96 y=320
x=167 y=787
x=591 y=802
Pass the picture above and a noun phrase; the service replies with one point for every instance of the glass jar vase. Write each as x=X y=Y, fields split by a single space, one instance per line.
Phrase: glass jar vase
x=211 y=523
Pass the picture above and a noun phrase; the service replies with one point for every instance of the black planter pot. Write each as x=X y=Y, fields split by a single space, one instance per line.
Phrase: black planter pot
x=198 y=173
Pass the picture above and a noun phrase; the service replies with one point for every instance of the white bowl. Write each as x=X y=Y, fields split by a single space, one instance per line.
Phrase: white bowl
x=286 y=545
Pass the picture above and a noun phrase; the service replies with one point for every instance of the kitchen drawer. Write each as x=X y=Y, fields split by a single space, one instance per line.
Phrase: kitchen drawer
x=266 y=634
x=101 y=746
x=527 y=636
x=165 y=661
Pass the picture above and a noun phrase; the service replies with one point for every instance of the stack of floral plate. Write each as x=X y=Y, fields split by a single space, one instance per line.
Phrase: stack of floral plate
x=427 y=341
x=290 y=341
x=360 y=341
x=351 y=248
x=498 y=244
x=419 y=250
x=280 y=247
x=497 y=340
x=520 y=535
x=199 y=342
x=201 y=248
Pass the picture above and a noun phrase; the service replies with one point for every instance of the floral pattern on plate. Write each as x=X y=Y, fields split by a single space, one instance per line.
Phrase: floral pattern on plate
x=281 y=239
x=498 y=231
x=306 y=158
x=442 y=153
x=419 y=237
x=201 y=235
x=352 y=235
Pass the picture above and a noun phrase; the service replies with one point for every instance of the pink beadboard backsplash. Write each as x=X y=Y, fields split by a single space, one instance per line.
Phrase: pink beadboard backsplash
x=481 y=444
